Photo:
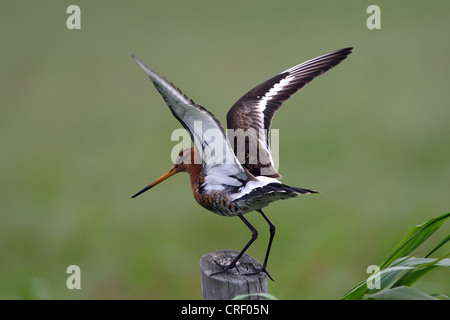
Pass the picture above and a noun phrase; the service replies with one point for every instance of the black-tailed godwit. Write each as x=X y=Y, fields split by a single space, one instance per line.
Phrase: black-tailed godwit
x=220 y=181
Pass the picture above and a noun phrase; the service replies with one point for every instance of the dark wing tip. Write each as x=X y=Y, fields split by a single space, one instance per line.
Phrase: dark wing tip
x=341 y=55
x=345 y=51
x=133 y=56
x=303 y=191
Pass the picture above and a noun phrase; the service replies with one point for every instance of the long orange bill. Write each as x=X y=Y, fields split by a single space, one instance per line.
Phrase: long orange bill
x=166 y=175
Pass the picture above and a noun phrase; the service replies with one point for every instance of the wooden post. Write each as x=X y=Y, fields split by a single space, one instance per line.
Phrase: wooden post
x=227 y=285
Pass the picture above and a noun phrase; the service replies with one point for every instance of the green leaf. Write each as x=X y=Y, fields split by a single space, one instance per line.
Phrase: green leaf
x=421 y=267
x=404 y=270
x=387 y=278
x=400 y=293
x=440 y=296
x=447 y=239
x=421 y=262
x=356 y=292
x=401 y=272
x=415 y=237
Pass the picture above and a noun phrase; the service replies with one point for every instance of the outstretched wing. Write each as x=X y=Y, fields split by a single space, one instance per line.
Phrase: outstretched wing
x=253 y=112
x=220 y=166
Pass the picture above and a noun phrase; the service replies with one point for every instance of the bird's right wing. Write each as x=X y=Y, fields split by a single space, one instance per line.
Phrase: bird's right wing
x=220 y=166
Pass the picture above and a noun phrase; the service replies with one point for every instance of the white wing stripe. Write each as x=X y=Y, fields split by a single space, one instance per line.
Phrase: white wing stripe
x=262 y=104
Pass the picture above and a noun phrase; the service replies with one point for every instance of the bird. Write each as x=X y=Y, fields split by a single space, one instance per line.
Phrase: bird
x=234 y=176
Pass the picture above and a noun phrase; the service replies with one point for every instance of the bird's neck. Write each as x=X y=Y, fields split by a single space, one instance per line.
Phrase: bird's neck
x=195 y=173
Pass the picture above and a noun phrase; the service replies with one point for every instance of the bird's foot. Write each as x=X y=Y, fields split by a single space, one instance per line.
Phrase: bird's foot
x=225 y=267
x=234 y=264
x=258 y=270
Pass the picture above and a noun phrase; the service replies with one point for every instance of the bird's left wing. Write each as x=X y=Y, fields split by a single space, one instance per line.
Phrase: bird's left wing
x=252 y=114
x=220 y=166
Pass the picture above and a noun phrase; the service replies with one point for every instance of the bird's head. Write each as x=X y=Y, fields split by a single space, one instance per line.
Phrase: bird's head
x=187 y=160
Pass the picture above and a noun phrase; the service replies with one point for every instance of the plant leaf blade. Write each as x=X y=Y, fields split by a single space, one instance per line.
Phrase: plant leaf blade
x=400 y=293
x=415 y=237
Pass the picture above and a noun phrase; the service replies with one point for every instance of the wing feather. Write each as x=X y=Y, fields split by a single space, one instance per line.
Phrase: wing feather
x=254 y=111
x=220 y=166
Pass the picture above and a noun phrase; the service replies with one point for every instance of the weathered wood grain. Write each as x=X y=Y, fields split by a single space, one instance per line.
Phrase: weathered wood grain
x=232 y=283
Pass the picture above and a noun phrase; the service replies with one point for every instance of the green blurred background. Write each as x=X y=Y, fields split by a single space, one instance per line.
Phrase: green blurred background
x=82 y=129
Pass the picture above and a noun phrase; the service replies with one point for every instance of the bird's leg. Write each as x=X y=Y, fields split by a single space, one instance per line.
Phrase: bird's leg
x=272 y=234
x=233 y=263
